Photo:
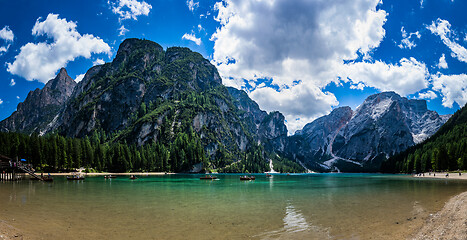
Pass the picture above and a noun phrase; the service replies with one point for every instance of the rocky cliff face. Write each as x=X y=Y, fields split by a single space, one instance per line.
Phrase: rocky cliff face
x=41 y=106
x=313 y=144
x=383 y=125
x=268 y=129
x=147 y=94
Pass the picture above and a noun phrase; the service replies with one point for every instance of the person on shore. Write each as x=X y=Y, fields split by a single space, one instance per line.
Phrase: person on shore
x=447 y=174
x=460 y=174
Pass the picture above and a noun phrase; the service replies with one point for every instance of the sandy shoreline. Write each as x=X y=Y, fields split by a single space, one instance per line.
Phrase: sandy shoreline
x=9 y=232
x=449 y=223
x=442 y=175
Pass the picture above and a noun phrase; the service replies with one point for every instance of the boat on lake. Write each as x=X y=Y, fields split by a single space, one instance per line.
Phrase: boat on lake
x=75 y=177
x=247 y=178
x=268 y=175
x=48 y=179
x=110 y=176
x=133 y=177
x=208 y=177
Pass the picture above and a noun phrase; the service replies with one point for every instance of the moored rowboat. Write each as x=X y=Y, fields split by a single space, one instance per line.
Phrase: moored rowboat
x=208 y=177
x=247 y=178
x=74 y=178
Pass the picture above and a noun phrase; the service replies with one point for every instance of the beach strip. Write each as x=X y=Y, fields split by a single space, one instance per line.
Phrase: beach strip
x=442 y=175
x=449 y=223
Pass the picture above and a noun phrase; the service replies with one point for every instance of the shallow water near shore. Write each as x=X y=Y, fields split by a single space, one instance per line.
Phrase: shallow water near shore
x=312 y=206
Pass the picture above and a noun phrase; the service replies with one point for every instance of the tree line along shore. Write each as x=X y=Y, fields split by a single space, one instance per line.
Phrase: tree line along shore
x=55 y=153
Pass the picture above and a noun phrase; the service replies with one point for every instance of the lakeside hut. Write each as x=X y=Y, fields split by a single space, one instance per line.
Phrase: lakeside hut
x=9 y=170
x=6 y=169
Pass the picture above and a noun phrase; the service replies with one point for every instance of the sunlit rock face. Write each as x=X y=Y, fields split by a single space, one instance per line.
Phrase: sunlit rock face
x=41 y=106
x=384 y=124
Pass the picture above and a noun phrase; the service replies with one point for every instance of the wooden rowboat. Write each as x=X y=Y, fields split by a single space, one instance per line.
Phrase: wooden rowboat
x=247 y=178
x=133 y=177
x=74 y=178
x=47 y=179
x=208 y=177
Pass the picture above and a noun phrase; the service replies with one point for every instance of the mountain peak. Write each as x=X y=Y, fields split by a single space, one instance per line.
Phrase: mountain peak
x=41 y=105
x=62 y=82
x=62 y=71
x=130 y=45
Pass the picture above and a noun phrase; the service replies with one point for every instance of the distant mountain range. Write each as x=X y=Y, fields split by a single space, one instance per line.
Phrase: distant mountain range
x=147 y=94
x=346 y=140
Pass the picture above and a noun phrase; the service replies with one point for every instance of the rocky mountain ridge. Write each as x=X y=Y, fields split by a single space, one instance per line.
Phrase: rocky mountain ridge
x=383 y=125
x=148 y=94
x=41 y=106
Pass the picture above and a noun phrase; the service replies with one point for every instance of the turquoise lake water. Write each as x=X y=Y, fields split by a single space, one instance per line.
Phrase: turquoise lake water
x=311 y=206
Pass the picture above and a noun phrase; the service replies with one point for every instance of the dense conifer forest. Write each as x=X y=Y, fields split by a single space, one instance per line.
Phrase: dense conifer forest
x=55 y=153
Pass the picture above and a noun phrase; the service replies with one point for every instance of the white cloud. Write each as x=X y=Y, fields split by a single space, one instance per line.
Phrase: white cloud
x=12 y=82
x=1 y=101
x=427 y=95
x=192 y=5
x=6 y=34
x=200 y=28
x=40 y=61
x=79 y=77
x=442 y=28
x=306 y=42
x=17 y=97
x=359 y=86
x=122 y=31
x=442 y=62
x=130 y=9
x=98 y=62
x=406 y=77
x=453 y=88
x=406 y=41
x=192 y=37
x=294 y=101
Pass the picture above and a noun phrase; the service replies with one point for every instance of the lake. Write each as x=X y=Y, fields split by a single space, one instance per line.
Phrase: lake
x=312 y=206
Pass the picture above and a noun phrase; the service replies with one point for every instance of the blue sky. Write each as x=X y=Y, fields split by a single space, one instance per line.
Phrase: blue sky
x=302 y=58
